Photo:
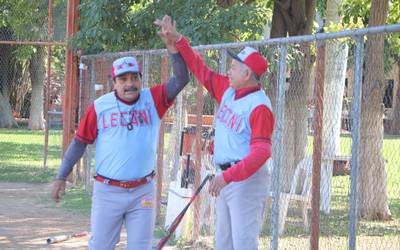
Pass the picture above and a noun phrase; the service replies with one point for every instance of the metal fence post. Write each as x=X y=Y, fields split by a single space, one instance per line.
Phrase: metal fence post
x=145 y=80
x=89 y=148
x=278 y=153
x=355 y=135
x=222 y=62
x=317 y=147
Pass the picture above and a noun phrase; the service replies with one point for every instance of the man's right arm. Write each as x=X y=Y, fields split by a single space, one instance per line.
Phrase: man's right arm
x=72 y=155
x=86 y=134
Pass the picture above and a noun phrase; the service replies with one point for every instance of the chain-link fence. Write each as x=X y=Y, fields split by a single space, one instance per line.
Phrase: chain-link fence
x=32 y=50
x=23 y=100
x=33 y=21
x=325 y=133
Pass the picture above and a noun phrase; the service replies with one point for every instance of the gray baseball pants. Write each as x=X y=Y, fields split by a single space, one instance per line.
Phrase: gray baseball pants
x=240 y=207
x=112 y=206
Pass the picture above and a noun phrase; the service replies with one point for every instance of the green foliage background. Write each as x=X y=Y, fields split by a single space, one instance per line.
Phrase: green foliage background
x=120 y=25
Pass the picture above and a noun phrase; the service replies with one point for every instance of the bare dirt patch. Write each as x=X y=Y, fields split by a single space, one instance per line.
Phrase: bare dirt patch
x=26 y=220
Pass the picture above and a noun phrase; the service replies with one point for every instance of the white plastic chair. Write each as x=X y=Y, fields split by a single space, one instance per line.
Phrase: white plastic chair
x=302 y=176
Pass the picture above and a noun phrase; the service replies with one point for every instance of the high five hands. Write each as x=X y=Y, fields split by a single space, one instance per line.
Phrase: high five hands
x=168 y=32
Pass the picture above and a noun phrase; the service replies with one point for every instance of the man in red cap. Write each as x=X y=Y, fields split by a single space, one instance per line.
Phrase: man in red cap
x=244 y=124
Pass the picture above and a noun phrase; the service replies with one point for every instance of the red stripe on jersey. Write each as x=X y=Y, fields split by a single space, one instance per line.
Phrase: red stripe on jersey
x=159 y=94
x=87 y=130
x=215 y=83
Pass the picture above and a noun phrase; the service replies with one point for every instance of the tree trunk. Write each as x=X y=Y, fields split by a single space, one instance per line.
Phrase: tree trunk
x=6 y=71
x=295 y=18
x=295 y=129
x=37 y=73
x=372 y=193
x=335 y=75
x=6 y=118
x=395 y=128
x=22 y=88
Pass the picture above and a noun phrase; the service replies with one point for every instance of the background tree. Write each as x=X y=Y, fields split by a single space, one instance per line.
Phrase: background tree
x=125 y=24
x=372 y=195
x=6 y=72
x=26 y=21
x=292 y=18
x=335 y=74
x=395 y=126
x=393 y=51
x=37 y=74
x=381 y=54
x=33 y=26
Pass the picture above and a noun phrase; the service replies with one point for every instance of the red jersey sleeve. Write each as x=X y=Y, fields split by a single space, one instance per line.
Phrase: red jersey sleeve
x=160 y=99
x=262 y=124
x=87 y=130
x=215 y=83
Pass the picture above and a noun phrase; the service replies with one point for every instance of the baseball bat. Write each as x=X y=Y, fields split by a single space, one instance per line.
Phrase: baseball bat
x=171 y=229
x=64 y=237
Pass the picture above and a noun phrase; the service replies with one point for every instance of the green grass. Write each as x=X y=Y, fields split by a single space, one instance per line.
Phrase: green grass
x=21 y=160
x=22 y=154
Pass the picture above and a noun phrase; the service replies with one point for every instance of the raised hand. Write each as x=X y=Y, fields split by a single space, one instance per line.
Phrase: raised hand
x=168 y=29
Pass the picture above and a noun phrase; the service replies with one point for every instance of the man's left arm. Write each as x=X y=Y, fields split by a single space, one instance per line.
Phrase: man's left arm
x=262 y=124
x=179 y=78
x=164 y=94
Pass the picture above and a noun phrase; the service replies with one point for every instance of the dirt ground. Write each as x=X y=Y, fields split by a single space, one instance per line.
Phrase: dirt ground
x=28 y=218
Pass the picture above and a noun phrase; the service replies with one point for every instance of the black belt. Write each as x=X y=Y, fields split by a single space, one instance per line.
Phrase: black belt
x=227 y=165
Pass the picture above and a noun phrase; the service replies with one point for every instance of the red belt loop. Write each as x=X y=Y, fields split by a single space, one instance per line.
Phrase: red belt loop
x=125 y=184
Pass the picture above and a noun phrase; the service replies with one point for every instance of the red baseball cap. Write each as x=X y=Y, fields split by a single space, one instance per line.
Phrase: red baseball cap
x=124 y=65
x=253 y=59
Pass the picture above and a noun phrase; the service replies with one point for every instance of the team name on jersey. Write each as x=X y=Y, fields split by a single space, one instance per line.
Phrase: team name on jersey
x=141 y=117
x=229 y=118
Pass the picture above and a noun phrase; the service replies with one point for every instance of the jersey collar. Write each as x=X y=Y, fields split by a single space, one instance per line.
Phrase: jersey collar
x=245 y=91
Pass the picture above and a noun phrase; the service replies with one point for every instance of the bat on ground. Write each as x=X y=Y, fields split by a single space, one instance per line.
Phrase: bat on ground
x=171 y=229
x=64 y=237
